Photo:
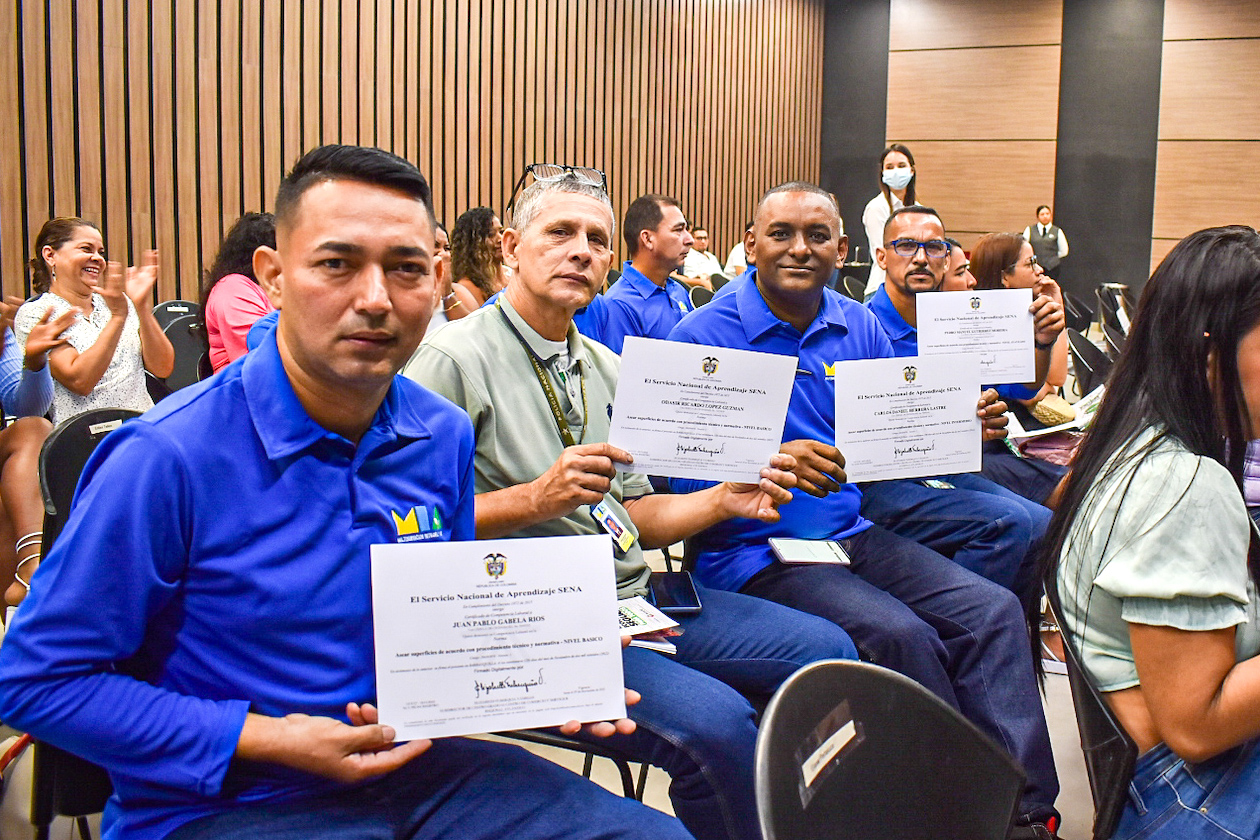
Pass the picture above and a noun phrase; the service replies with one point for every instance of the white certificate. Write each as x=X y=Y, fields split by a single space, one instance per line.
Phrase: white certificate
x=912 y=417
x=693 y=411
x=494 y=635
x=995 y=324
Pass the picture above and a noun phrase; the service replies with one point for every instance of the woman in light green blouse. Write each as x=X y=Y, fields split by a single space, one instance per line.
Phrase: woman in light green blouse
x=1155 y=556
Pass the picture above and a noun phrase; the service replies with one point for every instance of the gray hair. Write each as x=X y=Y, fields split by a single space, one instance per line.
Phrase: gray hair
x=529 y=203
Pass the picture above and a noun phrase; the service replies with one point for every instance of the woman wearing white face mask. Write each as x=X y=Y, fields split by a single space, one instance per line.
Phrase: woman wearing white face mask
x=897 y=177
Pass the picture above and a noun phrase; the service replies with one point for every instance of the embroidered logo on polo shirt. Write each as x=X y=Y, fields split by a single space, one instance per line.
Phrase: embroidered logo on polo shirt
x=829 y=371
x=417 y=524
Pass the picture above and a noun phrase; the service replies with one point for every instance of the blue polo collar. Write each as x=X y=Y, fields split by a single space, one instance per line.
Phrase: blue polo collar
x=896 y=327
x=285 y=428
x=757 y=319
x=640 y=282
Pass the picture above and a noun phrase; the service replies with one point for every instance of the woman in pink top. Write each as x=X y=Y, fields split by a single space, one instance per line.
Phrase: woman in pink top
x=231 y=298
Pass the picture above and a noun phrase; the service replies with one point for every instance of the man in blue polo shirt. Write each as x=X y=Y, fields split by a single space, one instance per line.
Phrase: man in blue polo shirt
x=646 y=301
x=904 y=506
x=203 y=626
x=905 y=606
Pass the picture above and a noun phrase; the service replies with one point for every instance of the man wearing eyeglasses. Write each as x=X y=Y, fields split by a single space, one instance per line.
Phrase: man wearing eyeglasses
x=647 y=301
x=540 y=398
x=915 y=257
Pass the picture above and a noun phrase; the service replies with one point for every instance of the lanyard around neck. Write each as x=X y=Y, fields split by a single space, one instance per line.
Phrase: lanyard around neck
x=562 y=425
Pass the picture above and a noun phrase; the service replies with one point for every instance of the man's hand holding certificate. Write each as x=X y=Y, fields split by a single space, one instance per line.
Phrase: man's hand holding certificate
x=496 y=634
x=908 y=417
x=691 y=411
x=996 y=324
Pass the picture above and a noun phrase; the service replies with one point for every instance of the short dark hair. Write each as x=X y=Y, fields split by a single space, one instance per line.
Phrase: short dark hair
x=55 y=233
x=644 y=213
x=351 y=163
x=1041 y=207
x=912 y=210
x=954 y=243
x=803 y=187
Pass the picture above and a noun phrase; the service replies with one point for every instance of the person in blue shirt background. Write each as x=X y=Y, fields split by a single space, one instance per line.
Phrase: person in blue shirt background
x=646 y=301
x=203 y=626
x=906 y=607
x=26 y=392
x=910 y=275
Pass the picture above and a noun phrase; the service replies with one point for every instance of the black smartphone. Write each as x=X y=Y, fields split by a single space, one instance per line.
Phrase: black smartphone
x=674 y=593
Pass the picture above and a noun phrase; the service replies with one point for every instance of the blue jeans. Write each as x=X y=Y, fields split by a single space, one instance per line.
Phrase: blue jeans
x=962 y=637
x=982 y=526
x=1217 y=799
x=1031 y=478
x=460 y=789
x=694 y=721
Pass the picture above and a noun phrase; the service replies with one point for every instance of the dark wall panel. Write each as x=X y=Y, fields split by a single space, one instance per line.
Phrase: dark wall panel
x=1107 y=138
x=854 y=105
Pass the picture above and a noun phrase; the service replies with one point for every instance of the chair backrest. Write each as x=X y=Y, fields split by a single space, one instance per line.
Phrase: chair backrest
x=1079 y=313
x=62 y=458
x=169 y=310
x=854 y=288
x=1090 y=364
x=614 y=274
x=64 y=784
x=186 y=336
x=1110 y=754
x=700 y=296
x=1112 y=306
x=851 y=751
x=1115 y=341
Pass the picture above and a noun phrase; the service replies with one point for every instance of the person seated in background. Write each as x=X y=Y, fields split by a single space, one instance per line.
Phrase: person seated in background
x=648 y=300
x=453 y=300
x=540 y=397
x=737 y=259
x=907 y=607
x=212 y=646
x=231 y=299
x=700 y=264
x=1048 y=241
x=1007 y=261
x=477 y=255
x=958 y=276
x=1153 y=554
x=114 y=338
x=910 y=271
x=26 y=392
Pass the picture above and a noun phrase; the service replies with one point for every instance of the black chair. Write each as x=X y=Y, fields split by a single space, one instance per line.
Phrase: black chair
x=854 y=288
x=718 y=281
x=1115 y=341
x=187 y=336
x=169 y=310
x=1078 y=313
x=1090 y=364
x=1113 y=306
x=629 y=787
x=700 y=296
x=1110 y=754
x=63 y=784
x=852 y=751
x=613 y=276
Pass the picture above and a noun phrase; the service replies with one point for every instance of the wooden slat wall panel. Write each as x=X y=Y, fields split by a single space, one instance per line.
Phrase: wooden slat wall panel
x=1208 y=167
x=1202 y=97
x=984 y=187
x=973 y=90
x=945 y=24
x=165 y=120
x=999 y=93
x=1184 y=19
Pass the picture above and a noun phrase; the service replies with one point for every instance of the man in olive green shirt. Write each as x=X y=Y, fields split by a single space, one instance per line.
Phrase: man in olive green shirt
x=540 y=397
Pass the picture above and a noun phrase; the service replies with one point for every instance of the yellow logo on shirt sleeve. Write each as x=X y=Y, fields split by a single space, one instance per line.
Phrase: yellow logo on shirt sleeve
x=406 y=524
